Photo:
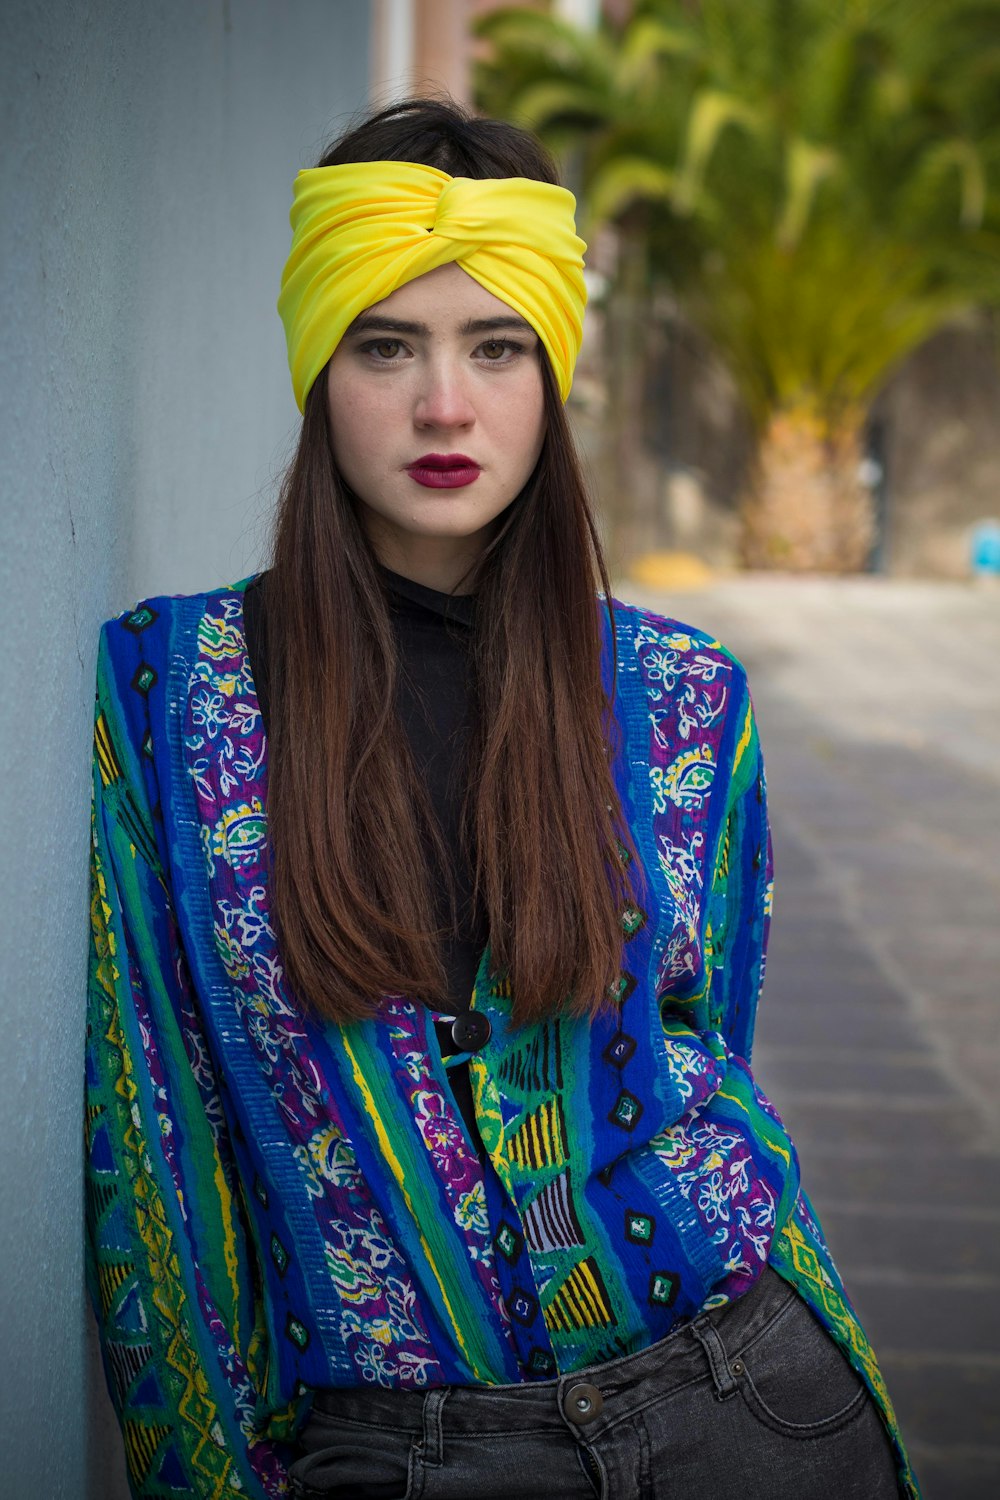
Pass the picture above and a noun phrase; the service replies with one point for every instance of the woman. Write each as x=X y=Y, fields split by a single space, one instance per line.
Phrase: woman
x=420 y=772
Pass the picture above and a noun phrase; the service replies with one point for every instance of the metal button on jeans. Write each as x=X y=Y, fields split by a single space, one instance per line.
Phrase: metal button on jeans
x=582 y=1403
x=471 y=1031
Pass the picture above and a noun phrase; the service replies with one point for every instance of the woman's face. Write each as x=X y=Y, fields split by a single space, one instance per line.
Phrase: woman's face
x=437 y=417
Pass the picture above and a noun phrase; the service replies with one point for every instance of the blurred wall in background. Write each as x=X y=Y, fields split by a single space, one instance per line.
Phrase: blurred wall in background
x=148 y=160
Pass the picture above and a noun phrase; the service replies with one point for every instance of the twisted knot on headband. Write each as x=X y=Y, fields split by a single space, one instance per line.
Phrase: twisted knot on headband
x=361 y=230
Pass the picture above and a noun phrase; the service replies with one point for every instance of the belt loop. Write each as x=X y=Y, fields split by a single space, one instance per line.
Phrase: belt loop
x=707 y=1335
x=432 y=1447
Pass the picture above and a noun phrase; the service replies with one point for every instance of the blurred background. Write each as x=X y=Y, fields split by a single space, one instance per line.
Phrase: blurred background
x=789 y=406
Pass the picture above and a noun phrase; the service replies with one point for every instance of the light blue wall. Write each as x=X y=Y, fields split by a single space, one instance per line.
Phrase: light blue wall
x=148 y=151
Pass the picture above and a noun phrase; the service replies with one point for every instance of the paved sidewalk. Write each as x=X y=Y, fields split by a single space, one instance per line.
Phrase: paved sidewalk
x=879 y=1034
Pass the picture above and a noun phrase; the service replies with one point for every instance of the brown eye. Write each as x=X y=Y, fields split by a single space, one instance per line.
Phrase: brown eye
x=387 y=348
x=494 y=349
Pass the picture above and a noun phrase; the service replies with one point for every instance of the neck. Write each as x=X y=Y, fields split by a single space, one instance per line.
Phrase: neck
x=446 y=564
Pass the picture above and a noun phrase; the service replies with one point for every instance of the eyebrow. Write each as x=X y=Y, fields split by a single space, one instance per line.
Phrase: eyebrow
x=376 y=322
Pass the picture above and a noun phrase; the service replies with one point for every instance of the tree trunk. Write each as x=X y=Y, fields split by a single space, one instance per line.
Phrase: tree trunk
x=808 y=509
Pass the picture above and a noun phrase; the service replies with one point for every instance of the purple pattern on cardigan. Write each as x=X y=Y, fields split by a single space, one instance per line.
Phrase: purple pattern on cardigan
x=687 y=686
x=716 y=1163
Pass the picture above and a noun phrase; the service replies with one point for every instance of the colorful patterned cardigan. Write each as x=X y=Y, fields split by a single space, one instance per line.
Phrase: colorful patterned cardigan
x=275 y=1205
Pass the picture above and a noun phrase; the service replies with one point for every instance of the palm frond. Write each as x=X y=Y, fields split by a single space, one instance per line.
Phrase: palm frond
x=712 y=111
x=624 y=181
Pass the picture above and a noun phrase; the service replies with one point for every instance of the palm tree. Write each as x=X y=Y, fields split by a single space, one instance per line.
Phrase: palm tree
x=817 y=182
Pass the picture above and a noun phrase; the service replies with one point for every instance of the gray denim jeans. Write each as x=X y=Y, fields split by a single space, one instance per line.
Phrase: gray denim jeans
x=752 y=1401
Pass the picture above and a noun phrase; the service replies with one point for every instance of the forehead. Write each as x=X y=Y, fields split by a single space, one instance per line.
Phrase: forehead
x=443 y=297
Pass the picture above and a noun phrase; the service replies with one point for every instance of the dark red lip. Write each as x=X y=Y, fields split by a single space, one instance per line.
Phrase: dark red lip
x=444 y=471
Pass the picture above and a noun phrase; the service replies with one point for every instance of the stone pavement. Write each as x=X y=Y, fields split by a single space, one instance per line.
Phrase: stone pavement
x=879 y=1031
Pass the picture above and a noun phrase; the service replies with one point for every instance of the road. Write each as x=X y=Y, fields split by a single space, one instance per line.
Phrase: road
x=879 y=1031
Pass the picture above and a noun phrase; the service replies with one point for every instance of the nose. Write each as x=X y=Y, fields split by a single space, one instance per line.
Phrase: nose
x=442 y=398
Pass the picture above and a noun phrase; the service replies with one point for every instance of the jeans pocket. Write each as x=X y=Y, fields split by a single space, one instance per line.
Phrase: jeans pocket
x=794 y=1378
x=350 y=1459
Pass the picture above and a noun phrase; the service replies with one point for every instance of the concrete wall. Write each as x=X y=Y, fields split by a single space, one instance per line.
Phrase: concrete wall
x=148 y=153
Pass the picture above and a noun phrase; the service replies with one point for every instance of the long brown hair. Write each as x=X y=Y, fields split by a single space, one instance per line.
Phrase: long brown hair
x=348 y=817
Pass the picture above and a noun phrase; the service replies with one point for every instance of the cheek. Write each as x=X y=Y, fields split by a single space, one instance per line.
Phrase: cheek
x=355 y=420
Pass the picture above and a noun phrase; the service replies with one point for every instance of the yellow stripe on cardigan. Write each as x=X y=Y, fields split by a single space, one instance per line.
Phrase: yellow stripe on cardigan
x=763 y=1126
x=229 y=1244
x=397 y=1172
x=746 y=736
x=540 y=1139
x=107 y=760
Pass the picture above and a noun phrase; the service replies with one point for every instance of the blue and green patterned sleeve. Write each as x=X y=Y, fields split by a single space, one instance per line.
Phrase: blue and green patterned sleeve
x=169 y=1264
x=739 y=905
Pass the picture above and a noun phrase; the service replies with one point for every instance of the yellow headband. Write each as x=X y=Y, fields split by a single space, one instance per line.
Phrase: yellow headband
x=361 y=230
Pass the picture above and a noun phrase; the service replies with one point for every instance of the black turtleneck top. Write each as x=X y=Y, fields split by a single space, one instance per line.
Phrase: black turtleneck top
x=435 y=703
